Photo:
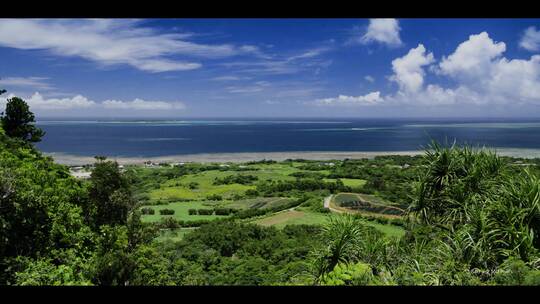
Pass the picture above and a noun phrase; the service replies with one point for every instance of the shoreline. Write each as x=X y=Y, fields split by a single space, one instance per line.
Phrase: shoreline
x=241 y=157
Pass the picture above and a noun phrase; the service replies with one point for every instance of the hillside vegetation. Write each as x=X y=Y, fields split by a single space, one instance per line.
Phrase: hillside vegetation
x=467 y=217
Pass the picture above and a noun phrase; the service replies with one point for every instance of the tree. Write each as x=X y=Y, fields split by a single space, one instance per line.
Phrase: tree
x=341 y=236
x=17 y=121
x=110 y=195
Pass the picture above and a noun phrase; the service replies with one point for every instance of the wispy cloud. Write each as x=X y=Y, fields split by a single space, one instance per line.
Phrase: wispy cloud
x=272 y=64
x=310 y=53
x=252 y=88
x=230 y=78
x=34 y=83
x=369 y=78
x=264 y=67
x=112 y=42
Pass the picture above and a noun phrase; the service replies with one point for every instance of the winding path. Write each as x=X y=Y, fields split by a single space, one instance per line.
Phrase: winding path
x=327 y=201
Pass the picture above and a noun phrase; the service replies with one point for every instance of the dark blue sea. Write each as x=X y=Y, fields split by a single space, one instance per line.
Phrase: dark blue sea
x=153 y=138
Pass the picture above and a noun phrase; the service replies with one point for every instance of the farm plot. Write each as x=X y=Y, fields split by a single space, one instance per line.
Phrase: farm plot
x=365 y=203
x=181 y=211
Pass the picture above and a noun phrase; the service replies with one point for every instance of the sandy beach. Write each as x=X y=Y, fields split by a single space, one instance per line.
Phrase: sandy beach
x=240 y=157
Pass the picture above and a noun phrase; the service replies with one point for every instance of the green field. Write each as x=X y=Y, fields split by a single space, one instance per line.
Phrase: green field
x=174 y=235
x=258 y=203
x=178 y=189
x=344 y=197
x=364 y=203
x=306 y=217
x=293 y=217
x=351 y=182
x=181 y=211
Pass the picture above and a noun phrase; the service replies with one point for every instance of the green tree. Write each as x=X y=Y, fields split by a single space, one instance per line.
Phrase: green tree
x=109 y=194
x=17 y=121
x=341 y=239
x=40 y=211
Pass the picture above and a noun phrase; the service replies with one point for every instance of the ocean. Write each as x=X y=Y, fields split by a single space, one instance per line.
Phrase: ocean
x=154 y=138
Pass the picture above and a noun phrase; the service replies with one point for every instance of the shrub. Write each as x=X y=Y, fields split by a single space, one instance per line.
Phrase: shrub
x=237 y=197
x=511 y=272
x=349 y=274
x=236 y=179
x=252 y=193
x=166 y=212
x=533 y=278
x=170 y=223
x=192 y=211
x=214 y=197
x=223 y=211
x=205 y=211
x=148 y=211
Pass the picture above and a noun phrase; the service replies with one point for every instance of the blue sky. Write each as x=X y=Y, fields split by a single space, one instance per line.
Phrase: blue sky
x=273 y=67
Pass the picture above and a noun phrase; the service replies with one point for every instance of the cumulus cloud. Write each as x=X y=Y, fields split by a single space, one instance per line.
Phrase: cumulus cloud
x=372 y=98
x=79 y=102
x=140 y=104
x=482 y=76
x=473 y=58
x=111 y=42
x=478 y=75
x=385 y=31
x=38 y=102
x=408 y=70
x=369 y=78
x=530 y=39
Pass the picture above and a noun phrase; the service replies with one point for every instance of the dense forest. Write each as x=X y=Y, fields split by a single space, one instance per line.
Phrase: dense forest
x=472 y=218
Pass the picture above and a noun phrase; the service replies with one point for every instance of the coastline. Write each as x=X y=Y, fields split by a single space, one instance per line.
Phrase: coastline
x=241 y=157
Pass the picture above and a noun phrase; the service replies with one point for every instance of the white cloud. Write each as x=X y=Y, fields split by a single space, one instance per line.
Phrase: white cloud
x=384 y=31
x=285 y=64
x=79 y=102
x=372 y=98
x=140 y=104
x=515 y=80
x=111 y=42
x=230 y=78
x=408 y=70
x=264 y=67
x=258 y=86
x=164 y=65
x=28 y=82
x=38 y=102
x=310 y=53
x=481 y=74
x=530 y=39
x=369 y=78
x=473 y=58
